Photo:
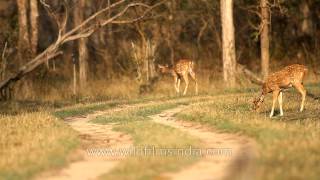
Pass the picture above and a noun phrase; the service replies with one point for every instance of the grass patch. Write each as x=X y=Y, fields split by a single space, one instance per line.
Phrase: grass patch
x=141 y=113
x=33 y=142
x=83 y=110
x=147 y=133
x=287 y=145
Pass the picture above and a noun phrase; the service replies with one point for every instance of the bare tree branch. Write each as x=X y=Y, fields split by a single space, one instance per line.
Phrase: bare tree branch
x=90 y=19
x=4 y=61
x=45 y=5
x=4 y=51
x=85 y=29
x=61 y=25
x=202 y=30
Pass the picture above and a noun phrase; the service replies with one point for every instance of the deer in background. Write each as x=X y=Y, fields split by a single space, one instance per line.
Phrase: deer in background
x=181 y=69
x=277 y=82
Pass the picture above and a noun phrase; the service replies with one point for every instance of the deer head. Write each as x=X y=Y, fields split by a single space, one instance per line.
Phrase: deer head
x=163 y=68
x=257 y=102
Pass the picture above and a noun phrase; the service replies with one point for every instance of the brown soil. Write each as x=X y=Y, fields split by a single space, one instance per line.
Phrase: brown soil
x=238 y=165
x=92 y=136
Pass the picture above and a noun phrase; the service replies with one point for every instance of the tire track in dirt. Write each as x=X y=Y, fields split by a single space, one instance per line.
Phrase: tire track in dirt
x=102 y=136
x=238 y=165
x=92 y=136
x=97 y=136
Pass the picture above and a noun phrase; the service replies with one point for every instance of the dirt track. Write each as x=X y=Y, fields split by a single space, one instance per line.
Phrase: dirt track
x=92 y=135
x=238 y=164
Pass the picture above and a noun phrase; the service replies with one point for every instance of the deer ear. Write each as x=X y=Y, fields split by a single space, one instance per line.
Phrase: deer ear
x=160 y=66
x=167 y=65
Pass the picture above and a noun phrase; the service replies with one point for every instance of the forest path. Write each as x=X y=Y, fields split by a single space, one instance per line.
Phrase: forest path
x=238 y=164
x=92 y=136
x=235 y=162
x=99 y=136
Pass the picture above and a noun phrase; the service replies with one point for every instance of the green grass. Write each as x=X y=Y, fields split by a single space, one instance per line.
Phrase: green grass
x=32 y=140
x=147 y=133
x=140 y=114
x=35 y=141
x=32 y=143
x=288 y=146
x=83 y=110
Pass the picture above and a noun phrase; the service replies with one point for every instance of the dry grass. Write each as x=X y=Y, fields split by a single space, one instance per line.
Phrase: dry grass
x=60 y=91
x=56 y=88
x=289 y=145
x=33 y=142
x=124 y=88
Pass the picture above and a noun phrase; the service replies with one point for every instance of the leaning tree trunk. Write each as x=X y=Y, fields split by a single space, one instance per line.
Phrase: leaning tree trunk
x=82 y=45
x=228 y=43
x=24 y=40
x=34 y=22
x=264 y=38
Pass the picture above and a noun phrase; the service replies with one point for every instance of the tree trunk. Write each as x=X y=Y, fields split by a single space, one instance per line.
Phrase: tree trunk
x=82 y=45
x=264 y=38
x=144 y=53
x=74 y=76
x=25 y=88
x=171 y=38
x=306 y=25
x=109 y=61
x=24 y=43
x=228 y=43
x=34 y=15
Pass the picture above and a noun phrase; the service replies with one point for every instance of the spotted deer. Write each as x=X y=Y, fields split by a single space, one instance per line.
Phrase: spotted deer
x=181 y=69
x=277 y=82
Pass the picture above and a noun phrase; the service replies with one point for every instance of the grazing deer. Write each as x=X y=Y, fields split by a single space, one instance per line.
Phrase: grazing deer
x=182 y=69
x=287 y=77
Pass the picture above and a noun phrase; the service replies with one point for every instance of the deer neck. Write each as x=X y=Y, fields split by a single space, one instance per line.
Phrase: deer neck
x=265 y=89
x=170 y=71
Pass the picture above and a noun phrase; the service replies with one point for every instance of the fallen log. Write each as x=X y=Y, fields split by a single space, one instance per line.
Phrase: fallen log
x=241 y=69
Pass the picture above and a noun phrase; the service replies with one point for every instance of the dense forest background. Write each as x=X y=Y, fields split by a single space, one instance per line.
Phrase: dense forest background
x=173 y=30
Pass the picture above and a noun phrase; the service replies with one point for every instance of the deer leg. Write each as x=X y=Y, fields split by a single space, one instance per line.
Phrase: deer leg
x=303 y=93
x=280 y=103
x=175 y=84
x=274 y=99
x=178 y=85
x=193 y=76
x=186 y=80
